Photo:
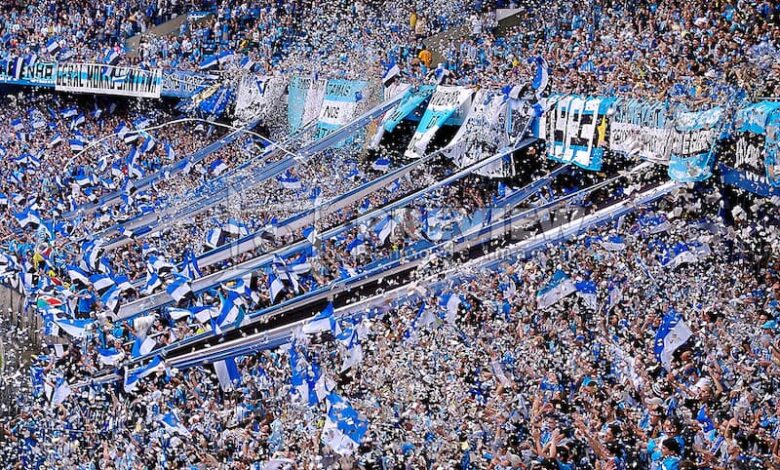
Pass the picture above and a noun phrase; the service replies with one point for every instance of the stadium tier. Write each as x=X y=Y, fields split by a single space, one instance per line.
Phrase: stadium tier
x=459 y=234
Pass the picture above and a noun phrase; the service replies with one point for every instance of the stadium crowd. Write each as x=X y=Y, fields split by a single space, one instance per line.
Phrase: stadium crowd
x=493 y=370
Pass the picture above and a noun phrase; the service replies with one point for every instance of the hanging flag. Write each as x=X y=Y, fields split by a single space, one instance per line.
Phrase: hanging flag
x=214 y=238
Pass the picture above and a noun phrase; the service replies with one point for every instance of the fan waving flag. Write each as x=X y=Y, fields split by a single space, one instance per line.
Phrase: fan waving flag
x=344 y=430
x=323 y=321
x=559 y=287
x=672 y=334
x=180 y=288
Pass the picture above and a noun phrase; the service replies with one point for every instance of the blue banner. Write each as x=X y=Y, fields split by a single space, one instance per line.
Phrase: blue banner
x=576 y=130
x=412 y=99
x=750 y=162
x=693 y=139
x=304 y=100
x=339 y=106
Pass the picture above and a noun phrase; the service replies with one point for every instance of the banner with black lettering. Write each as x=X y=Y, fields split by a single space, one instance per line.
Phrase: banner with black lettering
x=575 y=130
x=258 y=97
x=446 y=101
x=748 y=160
x=17 y=71
x=412 y=99
x=692 y=149
x=184 y=83
x=339 y=106
x=304 y=101
x=482 y=134
x=109 y=80
x=641 y=128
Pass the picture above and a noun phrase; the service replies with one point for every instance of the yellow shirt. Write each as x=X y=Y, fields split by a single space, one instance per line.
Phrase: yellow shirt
x=425 y=57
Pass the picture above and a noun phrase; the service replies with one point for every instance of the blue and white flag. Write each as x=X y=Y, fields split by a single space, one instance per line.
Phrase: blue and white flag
x=76 y=328
x=614 y=243
x=381 y=164
x=78 y=120
x=148 y=145
x=450 y=302
x=55 y=139
x=275 y=286
x=111 y=299
x=208 y=62
x=679 y=254
x=310 y=233
x=288 y=181
x=672 y=334
x=53 y=45
x=559 y=287
x=180 y=288
x=190 y=266
x=385 y=228
x=77 y=145
x=123 y=283
x=133 y=376
x=391 y=71
x=28 y=218
x=586 y=290
x=344 y=430
x=323 y=321
x=112 y=57
x=101 y=283
x=227 y=373
x=77 y=274
x=229 y=312
x=235 y=227
x=143 y=346
x=214 y=238
x=17 y=124
x=153 y=282
x=172 y=424
x=217 y=167
x=110 y=356
x=541 y=76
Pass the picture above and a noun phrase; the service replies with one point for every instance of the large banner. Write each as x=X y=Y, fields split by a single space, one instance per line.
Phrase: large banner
x=109 y=80
x=641 y=128
x=339 y=105
x=445 y=102
x=692 y=150
x=482 y=134
x=304 y=101
x=17 y=72
x=575 y=130
x=184 y=84
x=750 y=159
x=258 y=96
x=412 y=99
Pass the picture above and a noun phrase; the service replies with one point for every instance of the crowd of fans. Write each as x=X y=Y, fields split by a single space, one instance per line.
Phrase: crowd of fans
x=476 y=372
